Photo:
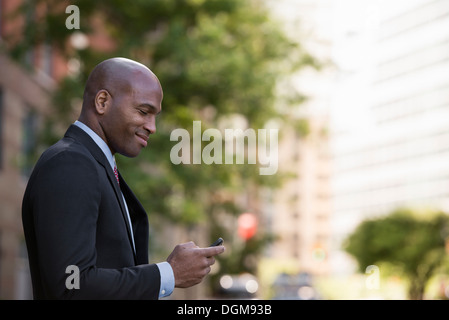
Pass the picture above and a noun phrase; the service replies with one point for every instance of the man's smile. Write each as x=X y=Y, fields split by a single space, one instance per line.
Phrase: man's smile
x=143 y=138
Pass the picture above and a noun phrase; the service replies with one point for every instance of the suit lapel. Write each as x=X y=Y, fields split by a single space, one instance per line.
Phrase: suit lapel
x=118 y=194
x=139 y=221
x=81 y=136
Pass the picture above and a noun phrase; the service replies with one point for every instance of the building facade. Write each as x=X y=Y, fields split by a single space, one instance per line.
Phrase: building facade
x=390 y=112
x=25 y=99
x=299 y=212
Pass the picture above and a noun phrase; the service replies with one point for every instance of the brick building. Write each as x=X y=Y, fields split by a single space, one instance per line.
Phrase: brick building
x=25 y=95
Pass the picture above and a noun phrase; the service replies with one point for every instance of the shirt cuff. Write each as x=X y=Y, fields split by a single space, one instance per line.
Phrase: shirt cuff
x=167 y=279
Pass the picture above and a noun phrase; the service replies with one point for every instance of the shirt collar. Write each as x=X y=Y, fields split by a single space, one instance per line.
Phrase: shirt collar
x=100 y=142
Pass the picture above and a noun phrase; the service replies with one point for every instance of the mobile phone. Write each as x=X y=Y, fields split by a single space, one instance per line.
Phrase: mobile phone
x=217 y=243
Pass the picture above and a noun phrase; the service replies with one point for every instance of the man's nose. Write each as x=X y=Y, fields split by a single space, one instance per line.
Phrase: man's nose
x=150 y=125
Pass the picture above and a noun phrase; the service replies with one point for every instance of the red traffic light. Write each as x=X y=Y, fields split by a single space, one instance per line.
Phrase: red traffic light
x=247 y=226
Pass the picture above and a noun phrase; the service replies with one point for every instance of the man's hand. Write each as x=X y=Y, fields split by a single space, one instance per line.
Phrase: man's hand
x=191 y=264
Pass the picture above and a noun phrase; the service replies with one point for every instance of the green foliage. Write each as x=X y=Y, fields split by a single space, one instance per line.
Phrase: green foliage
x=412 y=241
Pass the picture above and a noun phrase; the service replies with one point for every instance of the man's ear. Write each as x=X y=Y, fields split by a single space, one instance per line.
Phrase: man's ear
x=102 y=101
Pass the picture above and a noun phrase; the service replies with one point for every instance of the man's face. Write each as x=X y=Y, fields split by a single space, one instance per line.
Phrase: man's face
x=131 y=116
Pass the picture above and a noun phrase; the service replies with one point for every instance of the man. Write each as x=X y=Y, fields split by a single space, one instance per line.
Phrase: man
x=79 y=214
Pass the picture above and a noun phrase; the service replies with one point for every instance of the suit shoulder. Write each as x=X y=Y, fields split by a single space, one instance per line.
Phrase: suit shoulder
x=66 y=152
x=67 y=164
x=66 y=147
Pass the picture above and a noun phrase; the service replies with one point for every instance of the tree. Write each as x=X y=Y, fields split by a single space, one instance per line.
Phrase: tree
x=214 y=58
x=413 y=241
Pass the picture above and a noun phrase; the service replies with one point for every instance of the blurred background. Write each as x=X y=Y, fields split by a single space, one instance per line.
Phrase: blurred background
x=358 y=89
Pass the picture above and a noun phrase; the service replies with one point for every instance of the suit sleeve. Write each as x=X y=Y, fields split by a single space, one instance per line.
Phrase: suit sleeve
x=66 y=200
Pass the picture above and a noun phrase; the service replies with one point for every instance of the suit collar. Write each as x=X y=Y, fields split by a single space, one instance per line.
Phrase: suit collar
x=80 y=135
x=99 y=141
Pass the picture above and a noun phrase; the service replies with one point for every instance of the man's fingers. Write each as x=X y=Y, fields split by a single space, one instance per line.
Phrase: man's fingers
x=212 y=251
x=188 y=245
x=205 y=252
x=210 y=261
x=191 y=264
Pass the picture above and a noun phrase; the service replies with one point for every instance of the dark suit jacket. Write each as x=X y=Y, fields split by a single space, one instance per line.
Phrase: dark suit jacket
x=73 y=214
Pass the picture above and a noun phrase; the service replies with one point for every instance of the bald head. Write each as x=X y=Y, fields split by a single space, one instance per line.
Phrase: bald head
x=115 y=74
x=121 y=92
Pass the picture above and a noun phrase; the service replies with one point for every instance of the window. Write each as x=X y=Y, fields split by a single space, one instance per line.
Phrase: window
x=1 y=129
x=29 y=16
x=29 y=142
x=1 y=19
x=46 y=61
x=1 y=256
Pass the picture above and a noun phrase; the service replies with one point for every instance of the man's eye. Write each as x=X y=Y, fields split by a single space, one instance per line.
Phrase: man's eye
x=143 y=112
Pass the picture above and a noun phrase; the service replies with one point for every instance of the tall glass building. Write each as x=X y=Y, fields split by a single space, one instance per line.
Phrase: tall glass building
x=390 y=111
